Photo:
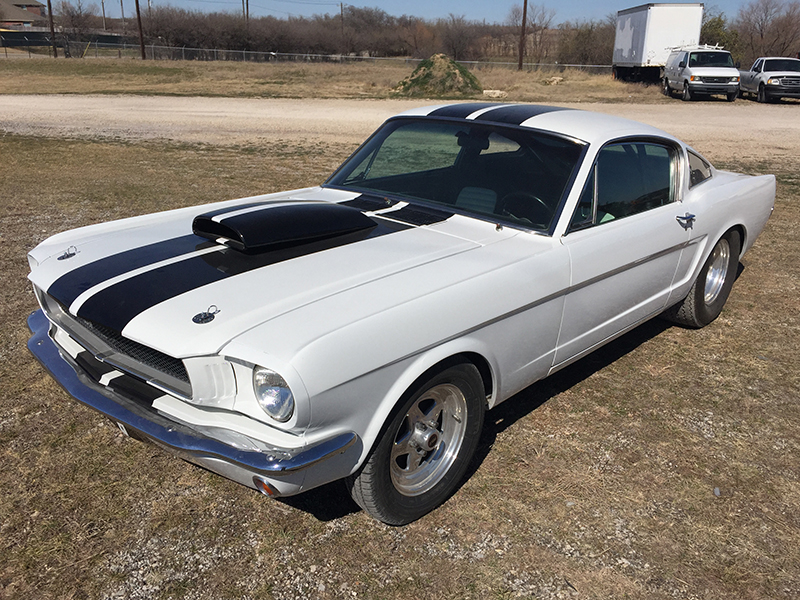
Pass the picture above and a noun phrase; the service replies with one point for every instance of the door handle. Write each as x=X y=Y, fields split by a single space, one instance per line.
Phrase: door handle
x=686 y=221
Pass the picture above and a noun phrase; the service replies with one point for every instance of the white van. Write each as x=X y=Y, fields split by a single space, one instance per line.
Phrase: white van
x=701 y=70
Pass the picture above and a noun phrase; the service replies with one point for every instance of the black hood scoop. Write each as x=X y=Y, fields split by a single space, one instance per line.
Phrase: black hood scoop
x=258 y=228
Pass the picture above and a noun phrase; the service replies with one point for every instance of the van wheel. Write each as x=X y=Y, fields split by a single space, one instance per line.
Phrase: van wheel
x=732 y=96
x=666 y=89
x=687 y=95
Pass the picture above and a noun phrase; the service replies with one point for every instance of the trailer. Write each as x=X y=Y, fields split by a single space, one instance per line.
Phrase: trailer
x=647 y=33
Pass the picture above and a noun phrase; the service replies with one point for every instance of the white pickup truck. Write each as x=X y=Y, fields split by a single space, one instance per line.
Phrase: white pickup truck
x=771 y=78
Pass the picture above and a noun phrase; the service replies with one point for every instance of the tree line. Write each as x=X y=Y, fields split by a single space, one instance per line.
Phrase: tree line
x=762 y=27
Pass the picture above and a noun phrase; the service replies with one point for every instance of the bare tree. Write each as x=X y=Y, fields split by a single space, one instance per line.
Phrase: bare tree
x=458 y=37
x=717 y=30
x=769 y=28
x=418 y=38
x=539 y=38
x=78 y=17
x=587 y=42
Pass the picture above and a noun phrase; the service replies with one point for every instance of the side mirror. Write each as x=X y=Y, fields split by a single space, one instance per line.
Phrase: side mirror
x=682 y=64
x=738 y=65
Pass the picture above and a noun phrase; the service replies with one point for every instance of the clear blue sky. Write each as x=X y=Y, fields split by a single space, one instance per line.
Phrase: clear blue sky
x=493 y=11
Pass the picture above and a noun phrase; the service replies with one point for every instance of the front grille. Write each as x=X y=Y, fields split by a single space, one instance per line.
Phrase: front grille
x=109 y=346
x=716 y=79
x=138 y=352
x=791 y=81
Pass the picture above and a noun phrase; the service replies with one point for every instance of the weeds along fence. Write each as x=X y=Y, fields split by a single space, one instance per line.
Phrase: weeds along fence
x=95 y=49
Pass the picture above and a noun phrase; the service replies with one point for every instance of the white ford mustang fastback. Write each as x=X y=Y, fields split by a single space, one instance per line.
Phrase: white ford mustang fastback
x=359 y=330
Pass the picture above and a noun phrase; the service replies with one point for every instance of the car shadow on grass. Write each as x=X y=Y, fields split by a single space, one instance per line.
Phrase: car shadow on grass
x=536 y=395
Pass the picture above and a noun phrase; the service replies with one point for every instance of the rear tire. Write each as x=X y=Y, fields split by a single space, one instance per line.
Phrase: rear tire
x=712 y=287
x=424 y=449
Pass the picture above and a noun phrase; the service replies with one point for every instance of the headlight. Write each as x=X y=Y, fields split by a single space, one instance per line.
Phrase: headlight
x=695 y=78
x=734 y=80
x=273 y=394
x=773 y=81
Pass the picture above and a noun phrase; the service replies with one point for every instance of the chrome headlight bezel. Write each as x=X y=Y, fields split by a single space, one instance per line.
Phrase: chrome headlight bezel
x=273 y=394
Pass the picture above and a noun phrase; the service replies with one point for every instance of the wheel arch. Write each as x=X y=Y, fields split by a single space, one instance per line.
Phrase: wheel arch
x=419 y=371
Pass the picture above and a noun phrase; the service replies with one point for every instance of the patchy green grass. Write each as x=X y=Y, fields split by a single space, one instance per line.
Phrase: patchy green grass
x=665 y=465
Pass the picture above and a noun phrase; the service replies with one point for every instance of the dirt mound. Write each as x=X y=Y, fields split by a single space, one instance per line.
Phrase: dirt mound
x=439 y=76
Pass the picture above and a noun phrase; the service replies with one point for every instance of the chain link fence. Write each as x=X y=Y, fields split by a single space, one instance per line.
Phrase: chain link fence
x=39 y=44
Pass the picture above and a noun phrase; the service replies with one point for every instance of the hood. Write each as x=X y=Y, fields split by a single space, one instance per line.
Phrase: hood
x=245 y=264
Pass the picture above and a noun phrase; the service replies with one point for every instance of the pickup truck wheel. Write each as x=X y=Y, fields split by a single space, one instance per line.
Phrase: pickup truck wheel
x=687 y=95
x=424 y=449
x=712 y=287
x=762 y=94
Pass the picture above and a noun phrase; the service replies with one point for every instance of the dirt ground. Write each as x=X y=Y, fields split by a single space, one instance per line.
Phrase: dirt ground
x=664 y=466
x=720 y=130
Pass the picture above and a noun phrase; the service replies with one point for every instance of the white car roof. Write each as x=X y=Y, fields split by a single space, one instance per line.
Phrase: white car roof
x=591 y=127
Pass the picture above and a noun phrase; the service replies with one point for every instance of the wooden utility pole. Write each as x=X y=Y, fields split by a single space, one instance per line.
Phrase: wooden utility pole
x=341 y=12
x=522 y=33
x=141 y=33
x=52 y=29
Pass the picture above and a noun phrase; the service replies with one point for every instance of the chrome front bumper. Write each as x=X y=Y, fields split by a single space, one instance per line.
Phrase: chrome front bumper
x=144 y=423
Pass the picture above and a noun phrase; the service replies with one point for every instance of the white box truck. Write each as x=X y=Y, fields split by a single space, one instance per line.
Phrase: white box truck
x=647 y=33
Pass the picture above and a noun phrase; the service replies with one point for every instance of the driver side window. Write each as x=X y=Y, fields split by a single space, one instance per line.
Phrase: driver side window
x=628 y=178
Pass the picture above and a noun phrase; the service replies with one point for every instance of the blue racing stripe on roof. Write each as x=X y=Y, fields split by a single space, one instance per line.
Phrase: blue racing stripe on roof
x=516 y=114
x=461 y=111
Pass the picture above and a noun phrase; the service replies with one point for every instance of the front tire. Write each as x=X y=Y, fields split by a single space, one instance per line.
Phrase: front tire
x=687 y=94
x=732 y=96
x=666 y=90
x=712 y=287
x=425 y=448
x=762 y=94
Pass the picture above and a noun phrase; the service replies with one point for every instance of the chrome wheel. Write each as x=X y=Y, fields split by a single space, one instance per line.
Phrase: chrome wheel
x=717 y=271
x=425 y=447
x=428 y=440
x=710 y=290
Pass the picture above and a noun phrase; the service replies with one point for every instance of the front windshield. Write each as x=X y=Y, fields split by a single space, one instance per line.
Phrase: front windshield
x=506 y=174
x=782 y=64
x=710 y=59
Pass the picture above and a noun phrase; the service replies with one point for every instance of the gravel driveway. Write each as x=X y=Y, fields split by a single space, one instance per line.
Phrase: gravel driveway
x=720 y=130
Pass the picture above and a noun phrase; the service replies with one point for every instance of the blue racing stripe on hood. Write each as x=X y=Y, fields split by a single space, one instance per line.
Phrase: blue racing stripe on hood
x=118 y=304
x=69 y=286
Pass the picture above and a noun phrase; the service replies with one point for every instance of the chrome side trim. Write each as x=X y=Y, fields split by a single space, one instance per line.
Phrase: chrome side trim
x=148 y=425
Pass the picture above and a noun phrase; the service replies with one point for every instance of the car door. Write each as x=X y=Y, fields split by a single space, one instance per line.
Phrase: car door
x=624 y=244
x=750 y=77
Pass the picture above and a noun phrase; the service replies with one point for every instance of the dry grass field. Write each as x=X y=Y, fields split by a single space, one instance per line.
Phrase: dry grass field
x=666 y=465
x=291 y=80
